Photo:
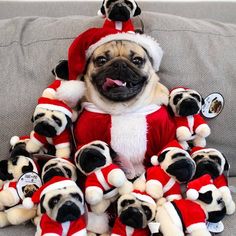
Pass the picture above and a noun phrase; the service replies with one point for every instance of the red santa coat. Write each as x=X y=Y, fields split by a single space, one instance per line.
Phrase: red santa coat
x=171 y=188
x=124 y=26
x=136 y=136
x=49 y=227
x=100 y=179
x=59 y=141
x=120 y=229
x=11 y=186
x=188 y=215
x=191 y=122
x=220 y=181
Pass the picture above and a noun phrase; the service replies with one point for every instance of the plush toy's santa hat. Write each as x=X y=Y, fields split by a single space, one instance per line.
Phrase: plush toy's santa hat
x=55 y=183
x=177 y=90
x=170 y=146
x=199 y=185
x=54 y=105
x=143 y=196
x=16 y=139
x=85 y=44
x=196 y=150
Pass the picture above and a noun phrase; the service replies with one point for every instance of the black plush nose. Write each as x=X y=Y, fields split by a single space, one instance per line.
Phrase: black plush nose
x=68 y=212
x=119 y=13
x=132 y=217
x=43 y=128
x=183 y=170
x=188 y=107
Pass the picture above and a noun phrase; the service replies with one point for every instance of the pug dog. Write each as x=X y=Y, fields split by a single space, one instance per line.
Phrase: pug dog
x=120 y=10
x=62 y=205
x=211 y=161
x=136 y=211
x=124 y=104
x=28 y=190
x=185 y=104
x=52 y=120
x=215 y=106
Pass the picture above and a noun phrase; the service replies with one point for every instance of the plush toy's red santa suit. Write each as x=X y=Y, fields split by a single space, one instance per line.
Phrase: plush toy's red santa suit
x=48 y=226
x=124 y=26
x=135 y=135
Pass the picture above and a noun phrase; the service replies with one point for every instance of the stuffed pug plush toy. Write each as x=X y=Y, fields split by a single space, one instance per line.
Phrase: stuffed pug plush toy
x=172 y=166
x=136 y=211
x=70 y=92
x=52 y=120
x=105 y=180
x=211 y=161
x=118 y=14
x=17 y=172
x=124 y=101
x=62 y=204
x=205 y=202
x=186 y=105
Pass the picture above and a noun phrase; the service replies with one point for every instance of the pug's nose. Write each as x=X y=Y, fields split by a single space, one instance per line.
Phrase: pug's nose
x=119 y=65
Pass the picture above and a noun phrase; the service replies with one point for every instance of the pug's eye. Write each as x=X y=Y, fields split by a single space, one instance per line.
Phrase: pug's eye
x=147 y=212
x=54 y=201
x=138 y=61
x=100 y=61
x=129 y=4
x=125 y=203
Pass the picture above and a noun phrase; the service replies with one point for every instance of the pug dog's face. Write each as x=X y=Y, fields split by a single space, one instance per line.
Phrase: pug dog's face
x=49 y=123
x=120 y=10
x=29 y=190
x=58 y=167
x=210 y=161
x=186 y=103
x=120 y=76
x=65 y=204
x=94 y=156
x=135 y=213
x=212 y=202
x=177 y=163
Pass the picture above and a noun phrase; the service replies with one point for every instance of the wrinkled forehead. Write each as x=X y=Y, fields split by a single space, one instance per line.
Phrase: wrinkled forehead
x=120 y=48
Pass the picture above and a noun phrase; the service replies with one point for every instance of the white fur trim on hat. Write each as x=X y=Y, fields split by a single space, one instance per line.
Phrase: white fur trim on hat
x=177 y=90
x=145 y=41
x=144 y=198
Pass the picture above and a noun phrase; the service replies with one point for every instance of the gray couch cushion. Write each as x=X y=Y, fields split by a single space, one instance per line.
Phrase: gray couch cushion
x=198 y=54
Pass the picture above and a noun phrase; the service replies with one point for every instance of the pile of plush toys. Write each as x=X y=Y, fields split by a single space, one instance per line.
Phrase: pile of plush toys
x=84 y=190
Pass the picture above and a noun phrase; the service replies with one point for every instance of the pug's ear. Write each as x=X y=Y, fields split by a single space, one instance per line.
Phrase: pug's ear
x=227 y=165
x=69 y=122
x=113 y=154
x=61 y=70
x=102 y=9
x=169 y=109
x=137 y=11
x=32 y=119
x=42 y=209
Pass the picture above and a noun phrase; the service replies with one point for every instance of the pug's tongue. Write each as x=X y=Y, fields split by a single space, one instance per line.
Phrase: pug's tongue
x=110 y=83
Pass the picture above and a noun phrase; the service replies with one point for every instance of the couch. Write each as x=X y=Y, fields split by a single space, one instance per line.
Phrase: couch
x=199 y=43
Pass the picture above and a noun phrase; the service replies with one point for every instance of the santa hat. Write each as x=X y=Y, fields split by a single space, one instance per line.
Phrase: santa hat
x=173 y=144
x=202 y=184
x=177 y=90
x=54 y=105
x=143 y=196
x=84 y=45
x=196 y=150
x=16 y=139
x=55 y=183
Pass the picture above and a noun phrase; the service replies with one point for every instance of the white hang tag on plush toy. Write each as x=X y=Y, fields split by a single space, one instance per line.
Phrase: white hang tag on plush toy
x=213 y=105
x=215 y=227
x=29 y=181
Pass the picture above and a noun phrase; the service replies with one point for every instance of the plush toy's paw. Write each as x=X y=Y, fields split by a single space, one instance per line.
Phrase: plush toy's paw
x=101 y=206
x=199 y=142
x=117 y=178
x=203 y=130
x=183 y=133
x=154 y=188
x=230 y=208
x=63 y=152
x=93 y=195
x=3 y=219
x=127 y=187
x=98 y=224
x=9 y=197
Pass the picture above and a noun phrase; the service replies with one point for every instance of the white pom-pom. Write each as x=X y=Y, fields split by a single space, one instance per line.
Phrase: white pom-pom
x=14 y=140
x=28 y=203
x=192 y=194
x=154 y=160
x=70 y=92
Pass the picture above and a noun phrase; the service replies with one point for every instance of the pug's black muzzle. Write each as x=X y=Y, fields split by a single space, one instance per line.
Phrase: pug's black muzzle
x=188 y=107
x=132 y=217
x=119 y=12
x=131 y=81
x=216 y=216
x=69 y=211
x=207 y=167
x=183 y=170
x=45 y=129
